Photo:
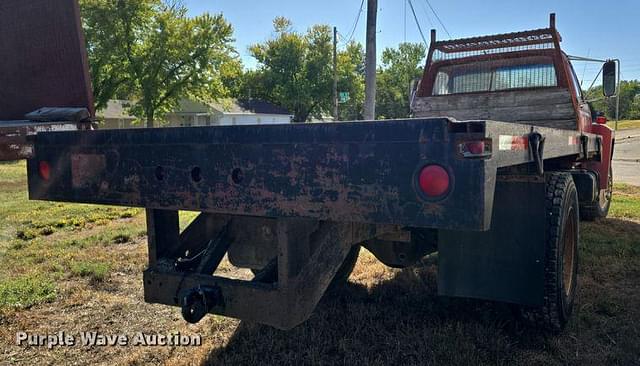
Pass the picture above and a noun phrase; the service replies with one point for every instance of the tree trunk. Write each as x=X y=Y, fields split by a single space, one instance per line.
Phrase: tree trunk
x=300 y=116
x=150 y=122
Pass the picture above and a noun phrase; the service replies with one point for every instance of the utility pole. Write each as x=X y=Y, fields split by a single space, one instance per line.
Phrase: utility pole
x=336 y=116
x=370 y=85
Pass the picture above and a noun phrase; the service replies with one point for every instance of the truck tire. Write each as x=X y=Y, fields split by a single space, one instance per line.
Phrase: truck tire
x=600 y=208
x=561 y=255
x=269 y=274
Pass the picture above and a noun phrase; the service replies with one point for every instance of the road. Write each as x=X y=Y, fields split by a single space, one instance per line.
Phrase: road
x=626 y=158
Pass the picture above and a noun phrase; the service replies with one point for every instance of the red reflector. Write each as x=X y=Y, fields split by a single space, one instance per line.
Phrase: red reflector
x=475 y=149
x=434 y=181
x=602 y=120
x=45 y=170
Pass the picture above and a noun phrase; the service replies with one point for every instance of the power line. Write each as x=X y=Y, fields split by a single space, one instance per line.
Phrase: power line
x=418 y=23
x=437 y=17
x=426 y=14
x=355 y=25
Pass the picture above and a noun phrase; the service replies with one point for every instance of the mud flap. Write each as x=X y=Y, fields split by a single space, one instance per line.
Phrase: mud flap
x=505 y=263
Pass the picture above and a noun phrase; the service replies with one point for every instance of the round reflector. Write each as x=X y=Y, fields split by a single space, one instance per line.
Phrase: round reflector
x=475 y=147
x=434 y=181
x=45 y=170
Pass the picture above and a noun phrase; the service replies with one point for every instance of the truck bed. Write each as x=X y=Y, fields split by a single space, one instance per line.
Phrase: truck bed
x=355 y=172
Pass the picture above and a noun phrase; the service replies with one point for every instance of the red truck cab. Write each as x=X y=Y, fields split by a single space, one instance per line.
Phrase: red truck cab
x=521 y=77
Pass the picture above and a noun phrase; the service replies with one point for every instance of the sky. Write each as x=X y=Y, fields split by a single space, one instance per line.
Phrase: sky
x=590 y=28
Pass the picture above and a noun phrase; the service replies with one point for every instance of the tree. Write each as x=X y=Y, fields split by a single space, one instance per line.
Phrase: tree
x=399 y=68
x=107 y=62
x=629 y=100
x=351 y=74
x=295 y=70
x=153 y=52
x=634 y=110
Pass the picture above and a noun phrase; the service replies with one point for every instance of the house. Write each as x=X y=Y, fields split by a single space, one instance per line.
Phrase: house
x=228 y=112
x=115 y=116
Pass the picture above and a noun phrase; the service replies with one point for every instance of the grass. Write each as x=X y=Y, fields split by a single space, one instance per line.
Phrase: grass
x=25 y=292
x=57 y=240
x=95 y=271
x=628 y=124
x=77 y=267
x=625 y=202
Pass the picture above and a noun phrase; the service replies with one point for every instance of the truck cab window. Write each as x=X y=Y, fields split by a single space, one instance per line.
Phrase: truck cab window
x=525 y=76
x=494 y=76
x=576 y=84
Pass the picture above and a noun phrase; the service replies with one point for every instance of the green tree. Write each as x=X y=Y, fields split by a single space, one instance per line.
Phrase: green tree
x=351 y=75
x=634 y=110
x=153 y=52
x=107 y=61
x=295 y=70
x=232 y=76
x=629 y=100
x=399 y=68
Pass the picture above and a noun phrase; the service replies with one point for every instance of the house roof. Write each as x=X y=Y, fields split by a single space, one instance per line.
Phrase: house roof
x=191 y=106
x=116 y=109
x=248 y=106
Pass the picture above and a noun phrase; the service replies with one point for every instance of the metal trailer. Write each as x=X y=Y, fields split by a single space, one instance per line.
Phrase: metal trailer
x=499 y=202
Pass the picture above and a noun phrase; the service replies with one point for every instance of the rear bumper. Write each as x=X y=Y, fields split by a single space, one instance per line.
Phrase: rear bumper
x=355 y=172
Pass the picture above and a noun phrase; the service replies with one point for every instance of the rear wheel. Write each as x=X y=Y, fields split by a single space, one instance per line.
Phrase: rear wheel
x=600 y=208
x=561 y=258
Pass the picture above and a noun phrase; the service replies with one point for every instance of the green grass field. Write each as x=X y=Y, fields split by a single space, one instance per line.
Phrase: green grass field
x=78 y=267
x=627 y=124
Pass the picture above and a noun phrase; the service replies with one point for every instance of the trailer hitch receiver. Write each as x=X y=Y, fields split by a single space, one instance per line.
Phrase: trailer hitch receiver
x=197 y=303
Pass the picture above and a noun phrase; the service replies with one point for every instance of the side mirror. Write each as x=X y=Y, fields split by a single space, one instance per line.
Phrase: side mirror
x=609 y=78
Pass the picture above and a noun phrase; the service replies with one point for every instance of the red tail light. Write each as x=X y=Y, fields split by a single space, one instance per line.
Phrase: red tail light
x=475 y=149
x=44 y=169
x=434 y=181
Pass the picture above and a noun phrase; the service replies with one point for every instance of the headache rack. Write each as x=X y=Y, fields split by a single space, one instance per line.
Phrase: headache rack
x=538 y=39
x=525 y=60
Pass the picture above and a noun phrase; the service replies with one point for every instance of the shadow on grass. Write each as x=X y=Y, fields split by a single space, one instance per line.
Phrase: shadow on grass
x=403 y=321
x=399 y=321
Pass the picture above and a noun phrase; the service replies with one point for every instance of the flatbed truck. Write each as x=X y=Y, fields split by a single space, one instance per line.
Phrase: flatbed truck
x=501 y=161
